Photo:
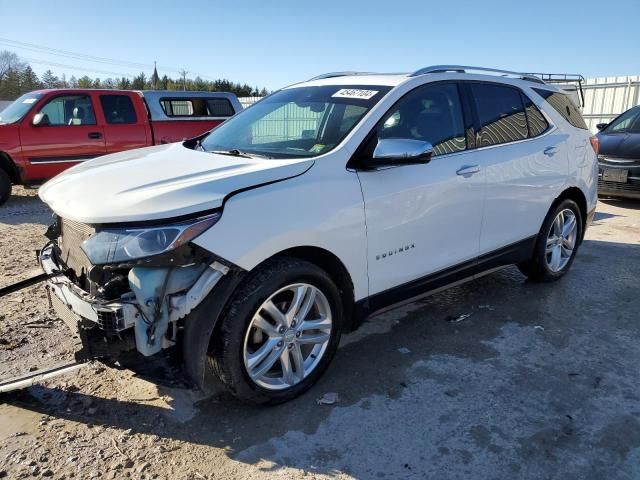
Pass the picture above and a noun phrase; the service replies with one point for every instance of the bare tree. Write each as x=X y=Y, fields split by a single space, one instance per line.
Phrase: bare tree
x=10 y=62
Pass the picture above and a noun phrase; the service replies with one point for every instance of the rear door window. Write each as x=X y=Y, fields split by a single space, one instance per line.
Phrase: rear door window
x=563 y=104
x=118 y=109
x=501 y=114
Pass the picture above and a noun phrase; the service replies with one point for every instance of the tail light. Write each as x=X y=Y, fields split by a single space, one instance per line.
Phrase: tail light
x=595 y=143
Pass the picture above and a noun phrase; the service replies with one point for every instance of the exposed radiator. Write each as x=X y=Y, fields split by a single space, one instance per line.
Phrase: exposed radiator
x=72 y=236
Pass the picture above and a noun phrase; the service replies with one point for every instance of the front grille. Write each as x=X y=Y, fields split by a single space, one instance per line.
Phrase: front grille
x=72 y=236
x=632 y=185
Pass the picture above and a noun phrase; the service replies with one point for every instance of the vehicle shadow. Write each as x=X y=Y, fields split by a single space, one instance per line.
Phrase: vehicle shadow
x=24 y=206
x=369 y=362
x=621 y=202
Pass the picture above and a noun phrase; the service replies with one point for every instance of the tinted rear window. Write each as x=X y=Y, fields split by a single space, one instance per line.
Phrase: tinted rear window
x=197 y=107
x=500 y=113
x=562 y=104
x=118 y=109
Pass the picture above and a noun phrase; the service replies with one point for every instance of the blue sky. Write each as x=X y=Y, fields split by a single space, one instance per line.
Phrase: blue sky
x=274 y=43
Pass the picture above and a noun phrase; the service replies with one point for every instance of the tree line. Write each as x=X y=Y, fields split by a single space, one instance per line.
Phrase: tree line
x=17 y=77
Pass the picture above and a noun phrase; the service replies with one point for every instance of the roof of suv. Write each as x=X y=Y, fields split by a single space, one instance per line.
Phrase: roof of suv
x=443 y=72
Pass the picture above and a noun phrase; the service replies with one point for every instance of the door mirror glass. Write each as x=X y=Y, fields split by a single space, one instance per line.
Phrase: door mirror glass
x=40 y=119
x=401 y=151
x=602 y=126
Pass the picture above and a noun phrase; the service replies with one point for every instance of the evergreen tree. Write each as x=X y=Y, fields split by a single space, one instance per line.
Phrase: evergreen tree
x=123 y=83
x=49 y=80
x=29 y=81
x=139 y=82
x=85 y=82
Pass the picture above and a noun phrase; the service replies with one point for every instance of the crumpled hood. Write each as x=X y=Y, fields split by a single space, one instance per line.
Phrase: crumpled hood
x=157 y=183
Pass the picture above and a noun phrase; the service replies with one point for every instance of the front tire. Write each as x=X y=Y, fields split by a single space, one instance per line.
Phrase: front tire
x=557 y=243
x=5 y=187
x=279 y=332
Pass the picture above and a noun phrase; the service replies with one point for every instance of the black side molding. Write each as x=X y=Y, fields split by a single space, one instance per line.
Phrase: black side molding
x=511 y=254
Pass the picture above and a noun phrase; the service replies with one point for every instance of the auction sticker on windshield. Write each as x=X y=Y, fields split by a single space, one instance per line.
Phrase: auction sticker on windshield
x=355 y=93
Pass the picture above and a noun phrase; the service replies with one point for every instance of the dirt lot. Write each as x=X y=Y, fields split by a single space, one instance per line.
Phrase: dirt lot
x=541 y=381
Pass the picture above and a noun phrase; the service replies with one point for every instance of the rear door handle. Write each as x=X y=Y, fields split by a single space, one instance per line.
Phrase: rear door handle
x=550 y=151
x=468 y=170
x=95 y=135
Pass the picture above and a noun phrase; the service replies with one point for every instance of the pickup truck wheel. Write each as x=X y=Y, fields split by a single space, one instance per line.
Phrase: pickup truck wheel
x=557 y=244
x=279 y=333
x=5 y=187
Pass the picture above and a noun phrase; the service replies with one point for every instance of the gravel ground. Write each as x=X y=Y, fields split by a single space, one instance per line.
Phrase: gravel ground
x=541 y=381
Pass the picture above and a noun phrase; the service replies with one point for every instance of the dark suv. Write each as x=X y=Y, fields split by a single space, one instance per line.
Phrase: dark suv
x=619 y=158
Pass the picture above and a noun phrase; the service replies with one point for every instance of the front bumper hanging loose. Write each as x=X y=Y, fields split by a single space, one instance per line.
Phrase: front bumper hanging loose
x=138 y=319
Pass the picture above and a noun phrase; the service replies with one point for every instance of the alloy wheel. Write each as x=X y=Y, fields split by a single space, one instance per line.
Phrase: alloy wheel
x=561 y=240
x=287 y=337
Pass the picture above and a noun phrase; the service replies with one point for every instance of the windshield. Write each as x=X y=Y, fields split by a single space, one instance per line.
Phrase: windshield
x=18 y=109
x=628 y=122
x=295 y=122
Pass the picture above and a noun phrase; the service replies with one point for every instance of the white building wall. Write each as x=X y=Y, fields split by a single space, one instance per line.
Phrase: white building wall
x=607 y=97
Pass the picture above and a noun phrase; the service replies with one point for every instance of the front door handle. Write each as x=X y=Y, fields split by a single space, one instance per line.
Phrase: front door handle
x=550 y=151
x=468 y=170
x=94 y=135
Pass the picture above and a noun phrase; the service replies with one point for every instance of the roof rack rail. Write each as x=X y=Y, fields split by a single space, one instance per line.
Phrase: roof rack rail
x=563 y=78
x=559 y=77
x=465 y=68
x=338 y=74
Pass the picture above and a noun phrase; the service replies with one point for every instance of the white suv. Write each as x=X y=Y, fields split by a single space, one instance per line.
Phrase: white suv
x=256 y=245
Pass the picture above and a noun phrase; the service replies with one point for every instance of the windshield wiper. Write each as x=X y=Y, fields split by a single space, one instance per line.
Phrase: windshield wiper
x=234 y=152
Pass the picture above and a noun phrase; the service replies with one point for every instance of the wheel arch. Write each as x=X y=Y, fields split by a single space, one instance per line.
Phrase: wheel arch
x=335 y=268
x=8 y=165
x=575 y=194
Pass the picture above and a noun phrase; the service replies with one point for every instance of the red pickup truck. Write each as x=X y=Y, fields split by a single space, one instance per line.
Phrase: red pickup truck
x=47 y=131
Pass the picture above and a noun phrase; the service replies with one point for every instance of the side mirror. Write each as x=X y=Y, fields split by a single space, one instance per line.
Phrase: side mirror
x=40 y=119
x=401 y=151
x=602 y=126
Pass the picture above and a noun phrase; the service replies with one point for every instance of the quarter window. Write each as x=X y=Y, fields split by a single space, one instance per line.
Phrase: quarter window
x=432 y=113
x=500 y=113
x=535 y=120
x=562 y=104
x=72 y=110
x=118 y=109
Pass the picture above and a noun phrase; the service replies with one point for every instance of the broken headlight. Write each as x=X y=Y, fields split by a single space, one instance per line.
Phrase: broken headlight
x=124 y=244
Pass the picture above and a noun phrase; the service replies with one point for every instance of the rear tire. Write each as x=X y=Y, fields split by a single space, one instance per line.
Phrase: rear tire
x=300 y=337
x=5 y=187
x=557 y=244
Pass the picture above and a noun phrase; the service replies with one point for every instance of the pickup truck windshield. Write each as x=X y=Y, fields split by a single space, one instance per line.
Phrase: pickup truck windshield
x=18 y=109
x=296 y=122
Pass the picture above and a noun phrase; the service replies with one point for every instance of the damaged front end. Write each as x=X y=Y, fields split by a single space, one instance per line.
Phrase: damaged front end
x=121 y=288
